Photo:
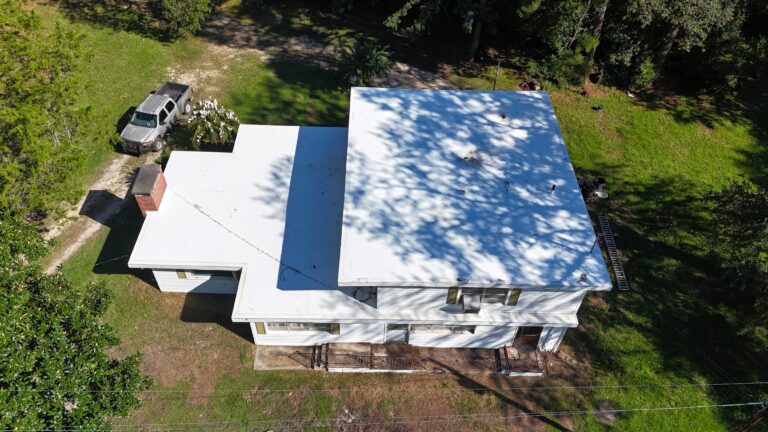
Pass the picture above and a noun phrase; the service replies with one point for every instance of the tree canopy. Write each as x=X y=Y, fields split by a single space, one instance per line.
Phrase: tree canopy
x=55 y=372
x=41 y=127
x=713 y=43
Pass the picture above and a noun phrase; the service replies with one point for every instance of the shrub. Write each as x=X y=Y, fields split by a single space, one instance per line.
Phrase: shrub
x=212 y=124
x=185 y=15
x=365 y=60
x=573 y=66
x=644 y=76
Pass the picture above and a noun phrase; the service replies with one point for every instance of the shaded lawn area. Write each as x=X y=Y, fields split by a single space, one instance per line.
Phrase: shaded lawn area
x=286 y=93
x=277 y=22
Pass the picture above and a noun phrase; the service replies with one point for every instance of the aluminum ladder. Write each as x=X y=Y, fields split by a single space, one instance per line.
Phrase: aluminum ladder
x=613 y=253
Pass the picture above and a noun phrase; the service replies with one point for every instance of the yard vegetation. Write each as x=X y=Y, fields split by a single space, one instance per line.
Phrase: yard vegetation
x=693 y=241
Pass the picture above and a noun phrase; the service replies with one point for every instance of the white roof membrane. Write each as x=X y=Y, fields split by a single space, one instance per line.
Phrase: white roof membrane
x=468 y=188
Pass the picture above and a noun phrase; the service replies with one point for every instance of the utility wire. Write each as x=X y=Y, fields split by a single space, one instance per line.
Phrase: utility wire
x=408 y=419
x=348 y=389
x=248 y=242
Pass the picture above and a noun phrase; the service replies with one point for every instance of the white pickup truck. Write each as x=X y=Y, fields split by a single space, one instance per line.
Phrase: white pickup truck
x=155 y=116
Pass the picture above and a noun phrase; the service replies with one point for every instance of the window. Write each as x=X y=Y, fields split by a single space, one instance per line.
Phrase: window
x=514 y=295
x=203 y=274
x=453 y=295
x=441 y=329
x=169 y=106
x=163 y=116
x=260 y=328
x=494 y=295
x=144 y=119
x=332 y=328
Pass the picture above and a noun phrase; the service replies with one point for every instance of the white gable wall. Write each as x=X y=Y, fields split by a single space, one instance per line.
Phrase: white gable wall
x=411 y=298
x=530 y=300
x=169 y=281
x=350 y=333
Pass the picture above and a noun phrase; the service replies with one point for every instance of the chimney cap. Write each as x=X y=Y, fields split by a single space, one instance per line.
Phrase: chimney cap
x=146 y=179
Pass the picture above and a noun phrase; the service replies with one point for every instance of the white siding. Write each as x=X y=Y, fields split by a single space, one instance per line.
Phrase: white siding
x=484 y=337
x=169 y=281
x=531 y=300
x=550 y=338
x=350 y=333
x=411 y=298
x=550 y=301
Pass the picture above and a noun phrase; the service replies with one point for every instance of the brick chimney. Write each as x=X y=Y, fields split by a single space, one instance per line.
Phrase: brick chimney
x=148 y=188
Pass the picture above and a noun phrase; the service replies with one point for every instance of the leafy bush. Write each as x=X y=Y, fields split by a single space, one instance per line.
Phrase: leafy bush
x=365 y=60
x=573 y=66
x=644 y=76
x=213 y=124
x=185 y=15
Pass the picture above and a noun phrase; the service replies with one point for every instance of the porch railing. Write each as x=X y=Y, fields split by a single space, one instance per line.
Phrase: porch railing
x=355 y=361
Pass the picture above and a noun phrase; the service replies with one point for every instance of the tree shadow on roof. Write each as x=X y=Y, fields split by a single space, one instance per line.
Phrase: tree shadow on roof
x=454 y=188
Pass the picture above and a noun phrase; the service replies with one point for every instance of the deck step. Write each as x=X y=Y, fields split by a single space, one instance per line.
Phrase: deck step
x=613 y=253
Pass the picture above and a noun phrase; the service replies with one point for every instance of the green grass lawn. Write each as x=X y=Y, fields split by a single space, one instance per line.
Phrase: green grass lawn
x=119 y=72
x=659 y=159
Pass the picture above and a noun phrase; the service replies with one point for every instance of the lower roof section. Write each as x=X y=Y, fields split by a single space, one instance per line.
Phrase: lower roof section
x=272 y=207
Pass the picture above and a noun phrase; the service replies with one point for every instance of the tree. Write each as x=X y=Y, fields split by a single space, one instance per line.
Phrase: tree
x=54 y=370
x=666 y=25
x=185 y=15
x=740 y=238
x=41 y=132
x=472 y=13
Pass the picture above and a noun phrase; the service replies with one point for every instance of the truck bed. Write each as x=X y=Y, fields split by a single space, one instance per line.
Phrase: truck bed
x=173 y=90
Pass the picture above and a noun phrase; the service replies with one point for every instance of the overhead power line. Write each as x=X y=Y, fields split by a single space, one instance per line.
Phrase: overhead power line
x=348 y=389
x=293 y=424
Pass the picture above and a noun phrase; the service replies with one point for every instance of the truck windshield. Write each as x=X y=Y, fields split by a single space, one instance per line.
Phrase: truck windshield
x=144 y=119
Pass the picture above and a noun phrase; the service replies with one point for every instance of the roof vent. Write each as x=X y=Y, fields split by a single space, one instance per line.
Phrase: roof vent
x=474 y=157
x=149 y=188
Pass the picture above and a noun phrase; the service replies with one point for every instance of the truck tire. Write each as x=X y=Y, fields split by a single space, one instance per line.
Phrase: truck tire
x=158 y=144
x=187 y=107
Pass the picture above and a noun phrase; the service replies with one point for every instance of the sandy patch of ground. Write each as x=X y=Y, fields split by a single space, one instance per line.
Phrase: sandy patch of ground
x=104 y=199
x=206 y=75
x=401 y=75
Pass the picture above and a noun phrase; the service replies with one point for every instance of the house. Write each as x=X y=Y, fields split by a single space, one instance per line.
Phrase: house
x=437 y=218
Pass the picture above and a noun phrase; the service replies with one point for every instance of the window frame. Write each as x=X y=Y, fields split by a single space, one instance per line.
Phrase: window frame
x=510 y=296
x=302 y=327
x=442 y=329
x=204 y=274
